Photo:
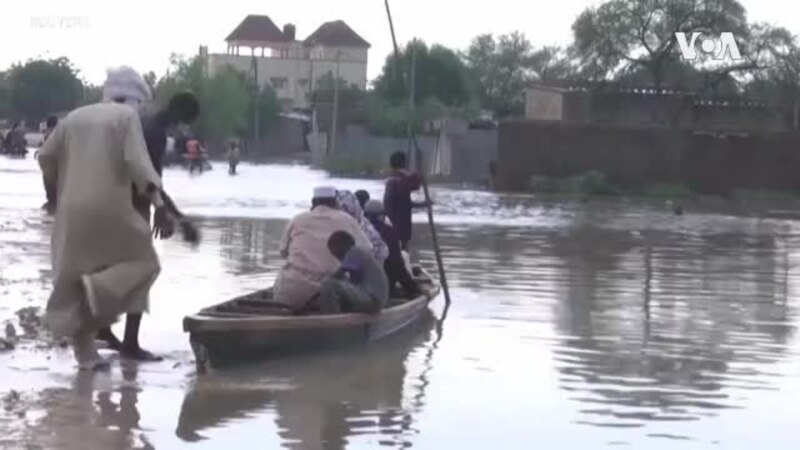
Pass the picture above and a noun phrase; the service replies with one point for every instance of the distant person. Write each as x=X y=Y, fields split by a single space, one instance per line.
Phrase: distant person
x=104 y=262
x=363 y=197
x=15 y=143
x=349 y=204
x=233 y=157
x=359 y=285
x=394 y=266
x=183 y=108
x=397 y=196
x=194 y=154
x=305 y=247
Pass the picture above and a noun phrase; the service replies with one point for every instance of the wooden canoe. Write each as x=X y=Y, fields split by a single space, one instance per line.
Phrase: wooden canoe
x=252 y=328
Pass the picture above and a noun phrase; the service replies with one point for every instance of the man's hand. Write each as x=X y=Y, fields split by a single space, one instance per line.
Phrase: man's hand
x=163 y=224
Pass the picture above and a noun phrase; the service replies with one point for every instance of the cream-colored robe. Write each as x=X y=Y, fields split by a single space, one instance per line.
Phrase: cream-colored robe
x=94 y=156
x=308 y=260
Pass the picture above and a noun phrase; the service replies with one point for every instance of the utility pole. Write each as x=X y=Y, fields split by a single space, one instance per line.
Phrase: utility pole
x=256 y=92
x=335 y=118
x=311 y=90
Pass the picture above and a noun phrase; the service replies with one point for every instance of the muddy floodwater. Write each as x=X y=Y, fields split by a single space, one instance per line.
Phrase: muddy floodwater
x=611 y=323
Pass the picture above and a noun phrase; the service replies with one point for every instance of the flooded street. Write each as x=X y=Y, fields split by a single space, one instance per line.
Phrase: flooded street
x=589 y=325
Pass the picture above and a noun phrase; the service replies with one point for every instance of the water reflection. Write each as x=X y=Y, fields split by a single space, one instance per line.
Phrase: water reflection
x=96 y=412
x=322 y=401
x=676 y=357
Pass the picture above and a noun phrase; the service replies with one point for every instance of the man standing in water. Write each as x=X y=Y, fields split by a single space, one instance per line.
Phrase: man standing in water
x=183 y=108
x=233 y=156
x=397 y=196
x=104 y=262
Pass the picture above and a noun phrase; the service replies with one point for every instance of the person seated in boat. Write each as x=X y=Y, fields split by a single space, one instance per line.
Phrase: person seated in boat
x=359 y=284
x=363 y=197
x=394 y=266
x=304 y=246
x=349 y=204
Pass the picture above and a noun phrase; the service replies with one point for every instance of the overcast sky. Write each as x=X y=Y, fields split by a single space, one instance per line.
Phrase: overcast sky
x=96 y=35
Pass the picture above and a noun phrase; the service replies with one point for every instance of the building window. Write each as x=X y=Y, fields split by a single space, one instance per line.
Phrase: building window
x=278 y=82
x=303 y=82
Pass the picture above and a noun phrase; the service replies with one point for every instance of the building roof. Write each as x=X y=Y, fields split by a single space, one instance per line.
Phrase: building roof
x=256 y=28
x=336 y=33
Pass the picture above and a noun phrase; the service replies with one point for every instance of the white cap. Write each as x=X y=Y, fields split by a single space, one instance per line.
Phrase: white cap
x=324 y=192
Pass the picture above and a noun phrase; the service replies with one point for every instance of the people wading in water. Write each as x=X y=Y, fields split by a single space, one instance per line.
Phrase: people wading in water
x=104 y=262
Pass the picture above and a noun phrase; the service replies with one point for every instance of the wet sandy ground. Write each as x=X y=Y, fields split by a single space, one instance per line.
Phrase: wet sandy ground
x=605 y=324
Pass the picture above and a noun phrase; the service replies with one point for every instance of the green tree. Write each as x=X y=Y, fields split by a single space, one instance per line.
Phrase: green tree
x=620 y=37
x=226 y=99
x=440 y=74
x=5 y=96
x=778 y=53
x=91 y=94
x=42 y=87
x=269 y=108
x=502 y=66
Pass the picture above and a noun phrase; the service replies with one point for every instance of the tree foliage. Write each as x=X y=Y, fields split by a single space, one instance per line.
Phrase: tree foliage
x=5 y=96
x=41 y=87
x=503 y=65
x=443 y=87
x=440 y=74
x=634 y=41
x=226 y=99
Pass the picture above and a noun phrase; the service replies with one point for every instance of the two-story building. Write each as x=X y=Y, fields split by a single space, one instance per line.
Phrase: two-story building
x=290 y=66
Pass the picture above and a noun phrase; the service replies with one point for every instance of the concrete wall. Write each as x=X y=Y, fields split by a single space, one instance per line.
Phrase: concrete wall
x=458 y=155
x=544 y=104
x=472 y=153
x=290 y=77
x=637 y=156
x=648 y=109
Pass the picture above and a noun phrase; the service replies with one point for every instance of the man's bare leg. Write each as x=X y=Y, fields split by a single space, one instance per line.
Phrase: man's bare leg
x=130 y=344
x=129 y=347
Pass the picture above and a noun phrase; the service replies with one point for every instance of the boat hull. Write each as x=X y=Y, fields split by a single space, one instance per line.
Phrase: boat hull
x=220 y=342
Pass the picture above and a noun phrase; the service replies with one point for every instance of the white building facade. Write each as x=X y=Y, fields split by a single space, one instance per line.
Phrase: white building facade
x=292 y=67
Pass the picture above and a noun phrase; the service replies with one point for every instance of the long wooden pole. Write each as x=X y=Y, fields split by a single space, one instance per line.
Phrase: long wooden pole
x=412 y=103
x=420 y=166
x=335 y=118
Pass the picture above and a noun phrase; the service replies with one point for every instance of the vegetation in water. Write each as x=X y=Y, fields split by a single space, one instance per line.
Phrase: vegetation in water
x=345 y=164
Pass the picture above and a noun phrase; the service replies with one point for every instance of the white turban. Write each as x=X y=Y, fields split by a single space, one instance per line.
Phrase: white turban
x=125 y=83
